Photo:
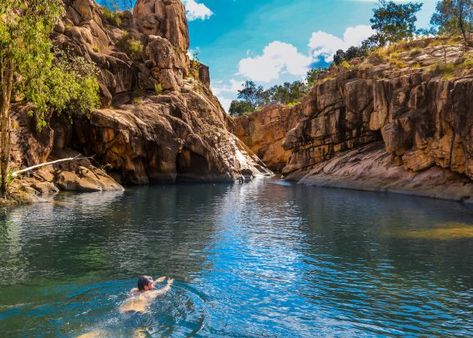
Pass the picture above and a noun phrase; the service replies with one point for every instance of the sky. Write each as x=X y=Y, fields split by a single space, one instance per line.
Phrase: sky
x=273 y=41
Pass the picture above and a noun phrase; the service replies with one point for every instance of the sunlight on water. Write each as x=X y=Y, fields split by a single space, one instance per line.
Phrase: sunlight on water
x=262 y=259
x=450 y=232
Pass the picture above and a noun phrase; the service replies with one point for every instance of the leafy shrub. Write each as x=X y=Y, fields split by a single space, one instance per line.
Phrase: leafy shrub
x=158 y=88
x=240 y=108
x=137 y=100
x=313 y=75
x=111 y=17
x=131 y=46
x=9 y=178
x=70 y=85
x=195 y=65
x=350 y=54
x=345 y=64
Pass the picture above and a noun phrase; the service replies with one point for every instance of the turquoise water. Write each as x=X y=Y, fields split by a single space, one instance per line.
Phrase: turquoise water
x=263 y=259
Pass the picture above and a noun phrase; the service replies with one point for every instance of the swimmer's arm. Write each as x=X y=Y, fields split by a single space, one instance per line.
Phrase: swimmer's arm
x=159 y=280
x=162 y=291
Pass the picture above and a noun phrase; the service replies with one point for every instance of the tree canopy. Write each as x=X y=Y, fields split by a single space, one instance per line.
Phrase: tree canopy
x=454 y=17
x=394 y=21
x=252 y=97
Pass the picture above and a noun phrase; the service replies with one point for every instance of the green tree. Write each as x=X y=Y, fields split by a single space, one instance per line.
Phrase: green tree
x=394 y=22
x=251 y=93
x=30 y=73
x=239 y=108
x=454 y=17
x=288 y=92
x=312 y=76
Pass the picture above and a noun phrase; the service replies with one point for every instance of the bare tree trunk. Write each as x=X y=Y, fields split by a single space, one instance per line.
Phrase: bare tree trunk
x=461 y=21
x=5 y=146
x=5 y=127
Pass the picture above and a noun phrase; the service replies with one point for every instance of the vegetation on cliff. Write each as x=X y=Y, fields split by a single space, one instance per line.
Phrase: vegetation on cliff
x=397 y=119
x=156 y=118
x=31 y=74
x=252 y=97
x=395 y=23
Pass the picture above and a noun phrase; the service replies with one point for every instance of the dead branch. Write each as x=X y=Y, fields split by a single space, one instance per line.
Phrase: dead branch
x=69 y=159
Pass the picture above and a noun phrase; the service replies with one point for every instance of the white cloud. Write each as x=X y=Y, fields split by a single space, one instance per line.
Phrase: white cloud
x=226 y=103
x=324 y=45
x=277 y=58
x=196 y=11
x=232 y=87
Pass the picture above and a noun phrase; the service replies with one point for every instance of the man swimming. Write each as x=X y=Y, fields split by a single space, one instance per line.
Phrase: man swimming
x=141 y=297
x=139 y=301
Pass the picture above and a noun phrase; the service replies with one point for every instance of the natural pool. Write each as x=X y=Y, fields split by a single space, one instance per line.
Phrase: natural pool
x=262 y=259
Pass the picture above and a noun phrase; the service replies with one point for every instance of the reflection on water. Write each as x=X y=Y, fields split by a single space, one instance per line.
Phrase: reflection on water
x=266 y=258
x=450 y=231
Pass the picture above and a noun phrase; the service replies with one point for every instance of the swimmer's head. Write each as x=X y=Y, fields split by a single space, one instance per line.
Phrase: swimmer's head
x=145 y=283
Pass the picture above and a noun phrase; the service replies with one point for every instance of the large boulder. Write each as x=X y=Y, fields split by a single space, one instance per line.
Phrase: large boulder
x=177 y=136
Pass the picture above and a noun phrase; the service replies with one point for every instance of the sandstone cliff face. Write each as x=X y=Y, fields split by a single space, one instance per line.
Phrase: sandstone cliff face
x=264 y=132
x=159 y=120
x=418 y=107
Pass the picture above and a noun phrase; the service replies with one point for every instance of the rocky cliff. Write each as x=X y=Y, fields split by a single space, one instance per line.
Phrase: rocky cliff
x=159 y=120
x=399 y=120
x=264 y=132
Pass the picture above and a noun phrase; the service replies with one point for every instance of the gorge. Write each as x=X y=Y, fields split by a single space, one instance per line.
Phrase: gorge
x=143 y=183
x=398 y=120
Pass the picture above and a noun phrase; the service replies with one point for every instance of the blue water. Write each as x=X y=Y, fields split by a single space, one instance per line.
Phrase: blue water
x=262 y=259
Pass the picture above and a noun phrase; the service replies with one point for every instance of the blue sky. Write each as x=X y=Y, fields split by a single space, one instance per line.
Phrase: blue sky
x=272 y=41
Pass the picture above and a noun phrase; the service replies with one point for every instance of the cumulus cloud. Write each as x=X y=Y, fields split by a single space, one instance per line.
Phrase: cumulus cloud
x=277 y=58
x=196 y=11
x=324 y=45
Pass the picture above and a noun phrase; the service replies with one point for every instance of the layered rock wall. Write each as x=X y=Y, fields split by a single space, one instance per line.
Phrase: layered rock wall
x=264 y=132
x=406 y=125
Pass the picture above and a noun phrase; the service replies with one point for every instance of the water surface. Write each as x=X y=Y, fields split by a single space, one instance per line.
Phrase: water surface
x=262 y=259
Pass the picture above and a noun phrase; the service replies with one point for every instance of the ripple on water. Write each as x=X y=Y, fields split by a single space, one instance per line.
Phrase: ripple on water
x=181 y=312
x=260 y=259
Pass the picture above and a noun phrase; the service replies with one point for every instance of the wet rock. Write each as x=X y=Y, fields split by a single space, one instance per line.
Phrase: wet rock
x=45 y=188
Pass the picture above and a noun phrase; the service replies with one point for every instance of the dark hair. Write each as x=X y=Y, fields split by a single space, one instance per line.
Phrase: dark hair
x=143 y=281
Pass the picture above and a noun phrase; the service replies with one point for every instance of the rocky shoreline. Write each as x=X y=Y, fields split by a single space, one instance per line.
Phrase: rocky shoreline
x=370 y=168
